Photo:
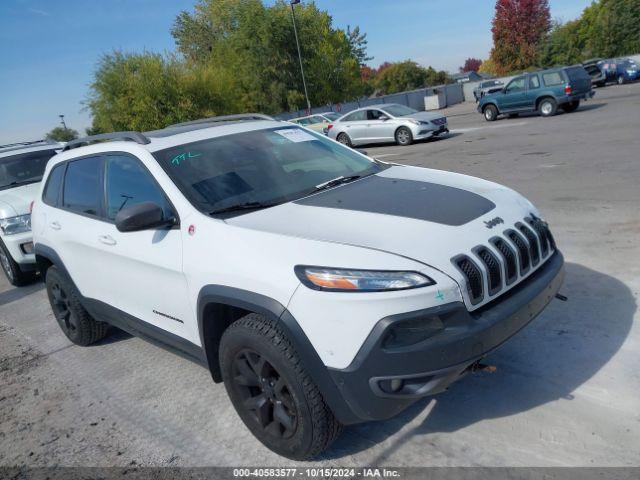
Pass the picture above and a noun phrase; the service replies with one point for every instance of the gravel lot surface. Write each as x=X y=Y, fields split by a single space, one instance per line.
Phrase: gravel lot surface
x=566 y=391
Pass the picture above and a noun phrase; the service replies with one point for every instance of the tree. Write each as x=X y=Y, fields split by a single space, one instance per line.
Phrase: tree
x=471 y=65
x=519 y=29
x=607 y=28
x=61 y=134
x=399 y=77
x=488 y=67
x=358 y=42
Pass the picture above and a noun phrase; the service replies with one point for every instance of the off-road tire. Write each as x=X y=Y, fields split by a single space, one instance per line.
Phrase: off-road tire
x=315 y=425
x=548 y=107
x=571 y=106
x=344 y=139
x=404 y=137
x=74 y=320
x=490 y=113
x=12 y=270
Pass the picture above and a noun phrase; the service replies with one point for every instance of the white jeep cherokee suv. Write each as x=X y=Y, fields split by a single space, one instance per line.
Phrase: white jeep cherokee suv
x=323 y=287
x=21 y=168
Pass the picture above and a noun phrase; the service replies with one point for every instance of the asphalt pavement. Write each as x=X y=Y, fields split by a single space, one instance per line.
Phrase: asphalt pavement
x=566 y=391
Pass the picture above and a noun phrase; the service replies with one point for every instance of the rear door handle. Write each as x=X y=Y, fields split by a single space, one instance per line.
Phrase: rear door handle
x=107 y=240
x=55 y=225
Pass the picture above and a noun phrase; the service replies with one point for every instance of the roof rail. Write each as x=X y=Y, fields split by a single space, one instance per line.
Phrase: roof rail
x=130 y=136
x=25 y=144
x=225 y=118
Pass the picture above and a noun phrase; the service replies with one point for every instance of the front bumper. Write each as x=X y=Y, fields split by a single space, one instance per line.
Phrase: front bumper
x=430 y=366
x=421 y=132
x=20 y=247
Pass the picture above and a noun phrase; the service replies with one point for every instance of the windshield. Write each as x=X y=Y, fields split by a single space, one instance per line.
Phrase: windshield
x=331 y=116
x=23 y=168
x=399 y=110
x=264 y=167
x=491 y=83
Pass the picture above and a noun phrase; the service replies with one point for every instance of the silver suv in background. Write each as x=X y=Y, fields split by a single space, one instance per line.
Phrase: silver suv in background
x=21 y=168
x=387 y=123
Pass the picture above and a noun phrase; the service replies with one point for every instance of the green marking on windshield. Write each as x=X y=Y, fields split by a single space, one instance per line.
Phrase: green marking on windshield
x=184 y=156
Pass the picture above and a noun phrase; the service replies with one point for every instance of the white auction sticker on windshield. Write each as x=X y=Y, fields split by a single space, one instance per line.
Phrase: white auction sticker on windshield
x=296 y=135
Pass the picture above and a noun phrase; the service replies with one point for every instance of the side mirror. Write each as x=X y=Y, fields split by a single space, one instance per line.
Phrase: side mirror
x=384 y=118
x=143 y=216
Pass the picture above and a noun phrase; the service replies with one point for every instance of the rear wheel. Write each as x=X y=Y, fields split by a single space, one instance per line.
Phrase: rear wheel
x=272 y=393
x=74 y=320
x=548 y=107
x=404 y=136
x=12 y=269
x=571 y=106
x=490 y=113
x=344 y=139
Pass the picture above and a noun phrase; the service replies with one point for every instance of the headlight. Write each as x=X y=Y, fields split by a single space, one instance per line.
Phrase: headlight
x=342 y=280
x=13 y=225
x=418 y=122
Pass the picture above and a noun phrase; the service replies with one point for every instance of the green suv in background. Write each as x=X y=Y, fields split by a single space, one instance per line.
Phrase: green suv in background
x=544 y=91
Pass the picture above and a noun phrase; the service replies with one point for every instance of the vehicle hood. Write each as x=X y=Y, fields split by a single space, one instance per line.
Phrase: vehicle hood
x=17 y=201
x=422 y=214
x=424 y=116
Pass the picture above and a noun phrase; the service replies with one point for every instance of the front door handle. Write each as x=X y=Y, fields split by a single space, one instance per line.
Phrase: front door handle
x=55 y=225
x=107 y=240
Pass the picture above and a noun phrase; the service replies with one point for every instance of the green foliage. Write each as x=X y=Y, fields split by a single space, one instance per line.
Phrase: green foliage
x=408 y=75
x=607 y=28
x=233 y=56
x=61 y=134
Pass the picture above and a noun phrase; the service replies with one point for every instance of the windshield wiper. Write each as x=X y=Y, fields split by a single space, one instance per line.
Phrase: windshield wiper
x=243 y=206
x=336 y=181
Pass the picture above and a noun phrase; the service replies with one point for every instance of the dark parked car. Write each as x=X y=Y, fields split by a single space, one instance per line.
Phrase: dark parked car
x=486 y=87
x=596 y=72
x=544 y=91
x=620 y=70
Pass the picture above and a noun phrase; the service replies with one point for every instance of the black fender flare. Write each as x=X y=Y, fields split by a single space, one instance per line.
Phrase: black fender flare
x=275 y=311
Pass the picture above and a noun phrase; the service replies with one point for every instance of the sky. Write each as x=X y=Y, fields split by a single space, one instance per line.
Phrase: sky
x=49 y=48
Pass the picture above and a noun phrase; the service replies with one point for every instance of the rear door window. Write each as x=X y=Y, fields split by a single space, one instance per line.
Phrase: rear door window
x=52 y=188
x=82 y=186
x=534 y=82
x=356 y=116
x=552 y=79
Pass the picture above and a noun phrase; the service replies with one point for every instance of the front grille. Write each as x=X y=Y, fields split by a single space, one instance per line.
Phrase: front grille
x=523 y=250
x=473 y=277
x=507 y=257
x=533 y=243
x=494 y=270
x=439 y=121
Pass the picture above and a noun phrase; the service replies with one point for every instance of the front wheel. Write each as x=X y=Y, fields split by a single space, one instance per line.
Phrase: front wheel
x=404 y=137
x=272 y=393
x=548 y=107
x=490 y=113
x=12 y=269
x=571 y=106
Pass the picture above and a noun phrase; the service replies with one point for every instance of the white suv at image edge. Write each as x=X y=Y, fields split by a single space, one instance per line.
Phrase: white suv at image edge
x=324 y=288
x=21 y=168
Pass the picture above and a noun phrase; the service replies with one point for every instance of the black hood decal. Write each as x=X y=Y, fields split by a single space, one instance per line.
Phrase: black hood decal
x=431 y=202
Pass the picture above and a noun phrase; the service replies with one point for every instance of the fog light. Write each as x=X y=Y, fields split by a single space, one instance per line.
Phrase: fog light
x=391 y=386
x=27 y=247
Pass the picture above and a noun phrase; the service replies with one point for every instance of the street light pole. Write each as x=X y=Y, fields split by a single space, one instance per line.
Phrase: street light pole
x=295 y=30
x=64 y=125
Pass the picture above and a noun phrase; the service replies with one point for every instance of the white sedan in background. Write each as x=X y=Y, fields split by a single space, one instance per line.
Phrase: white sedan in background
x=387 y=123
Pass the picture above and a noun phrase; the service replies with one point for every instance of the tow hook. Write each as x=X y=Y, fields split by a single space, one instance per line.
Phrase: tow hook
x=562 y=298
x=481 y=367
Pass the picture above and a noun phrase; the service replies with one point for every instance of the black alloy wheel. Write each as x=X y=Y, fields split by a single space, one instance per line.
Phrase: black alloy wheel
x=265 y=394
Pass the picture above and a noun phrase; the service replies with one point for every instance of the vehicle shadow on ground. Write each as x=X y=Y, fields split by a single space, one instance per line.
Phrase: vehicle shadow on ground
x=562 y=349
x=560 y=112
x=416 y=142
x=18 y=293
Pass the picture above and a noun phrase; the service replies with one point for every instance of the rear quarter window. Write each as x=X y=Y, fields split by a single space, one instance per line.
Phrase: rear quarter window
x=553 y=78
x=51 y=192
